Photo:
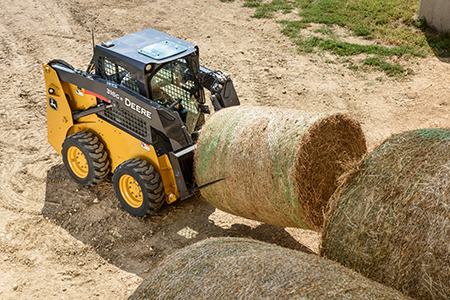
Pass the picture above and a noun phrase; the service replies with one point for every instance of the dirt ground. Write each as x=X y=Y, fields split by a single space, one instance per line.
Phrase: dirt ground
x=62 y=241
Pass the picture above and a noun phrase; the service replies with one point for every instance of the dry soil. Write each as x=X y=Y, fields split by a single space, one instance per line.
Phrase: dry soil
x=62 y=241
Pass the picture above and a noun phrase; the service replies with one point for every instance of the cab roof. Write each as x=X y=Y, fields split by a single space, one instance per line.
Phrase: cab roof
x=145 y=47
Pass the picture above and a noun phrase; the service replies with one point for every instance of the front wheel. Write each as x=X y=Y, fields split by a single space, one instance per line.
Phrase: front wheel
x=138 y=187
x=85 y=158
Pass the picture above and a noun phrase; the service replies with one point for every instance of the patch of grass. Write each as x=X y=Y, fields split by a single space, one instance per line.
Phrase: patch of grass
x=328 y=32
x=390 y=69
x=266 y=10
x=393 y=22
x=252 y=3
x=363 y=17
x=439 y=43
x=349 y=49
x=292 y=28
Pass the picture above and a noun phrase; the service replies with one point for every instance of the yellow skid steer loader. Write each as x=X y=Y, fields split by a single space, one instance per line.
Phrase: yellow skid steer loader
x=136 y=112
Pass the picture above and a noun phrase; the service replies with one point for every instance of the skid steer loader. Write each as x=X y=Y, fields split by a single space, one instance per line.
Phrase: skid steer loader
x=136 y=112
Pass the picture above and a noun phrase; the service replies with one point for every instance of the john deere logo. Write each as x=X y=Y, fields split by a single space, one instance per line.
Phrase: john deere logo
x=53 y=103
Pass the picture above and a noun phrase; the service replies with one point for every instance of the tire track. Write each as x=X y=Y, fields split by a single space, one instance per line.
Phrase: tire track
x=32 y=32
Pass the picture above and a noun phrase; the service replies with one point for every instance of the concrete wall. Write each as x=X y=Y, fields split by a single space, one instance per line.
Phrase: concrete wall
x=437 y=14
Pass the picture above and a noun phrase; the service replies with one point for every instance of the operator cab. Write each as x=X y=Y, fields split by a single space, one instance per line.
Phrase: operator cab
x=157 y=66
x=174 y=86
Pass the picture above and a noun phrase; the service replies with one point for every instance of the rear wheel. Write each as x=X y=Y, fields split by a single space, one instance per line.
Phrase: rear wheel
x=85 y=158
x=138 y=187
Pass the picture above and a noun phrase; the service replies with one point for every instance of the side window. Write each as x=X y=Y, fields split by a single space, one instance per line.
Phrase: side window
x=118 y=74
x=174 y=86
x=174 y=82
x=108 y=70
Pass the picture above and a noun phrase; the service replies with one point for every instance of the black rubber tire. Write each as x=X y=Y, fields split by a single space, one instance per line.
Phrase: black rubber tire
x=94 y=153
x=149 y=182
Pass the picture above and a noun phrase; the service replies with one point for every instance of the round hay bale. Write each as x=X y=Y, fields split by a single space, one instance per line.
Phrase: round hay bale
x=281 y=166
x=391 y=220
x=234 y=268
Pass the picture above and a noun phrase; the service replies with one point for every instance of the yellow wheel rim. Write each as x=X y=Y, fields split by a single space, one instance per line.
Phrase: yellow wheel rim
x=77 y=162
x=131 y=191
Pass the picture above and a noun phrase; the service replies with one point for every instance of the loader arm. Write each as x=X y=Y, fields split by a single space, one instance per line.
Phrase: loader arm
x=223 y=93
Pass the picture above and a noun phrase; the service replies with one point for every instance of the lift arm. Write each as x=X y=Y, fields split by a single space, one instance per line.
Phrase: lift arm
x=223 y=93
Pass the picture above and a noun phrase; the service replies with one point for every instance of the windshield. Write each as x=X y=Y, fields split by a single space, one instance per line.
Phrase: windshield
x=174 y=87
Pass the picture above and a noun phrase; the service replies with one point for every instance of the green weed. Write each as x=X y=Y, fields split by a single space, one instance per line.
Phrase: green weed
x=389 y=69
x=266 y=10
x=327 y=31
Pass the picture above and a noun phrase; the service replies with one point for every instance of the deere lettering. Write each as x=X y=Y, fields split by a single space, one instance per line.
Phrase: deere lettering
x=137 y=108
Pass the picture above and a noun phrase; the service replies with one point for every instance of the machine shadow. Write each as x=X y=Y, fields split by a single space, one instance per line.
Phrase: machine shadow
x=94 y=216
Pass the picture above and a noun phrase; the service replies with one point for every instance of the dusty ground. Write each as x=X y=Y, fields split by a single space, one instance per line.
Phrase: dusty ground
x=61 y=241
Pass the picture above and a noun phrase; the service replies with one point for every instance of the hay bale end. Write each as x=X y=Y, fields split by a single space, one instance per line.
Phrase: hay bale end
x=391 y=220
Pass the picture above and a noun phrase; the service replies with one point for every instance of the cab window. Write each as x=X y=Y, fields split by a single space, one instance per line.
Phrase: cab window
x=173 y=86
x=118 y=74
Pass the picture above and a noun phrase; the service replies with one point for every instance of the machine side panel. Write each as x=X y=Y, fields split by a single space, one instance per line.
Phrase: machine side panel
x=77 y=97
x=59 y=113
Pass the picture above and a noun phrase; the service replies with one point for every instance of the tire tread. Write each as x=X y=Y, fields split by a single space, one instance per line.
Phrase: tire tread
x=96 y=154
x=152 y=183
